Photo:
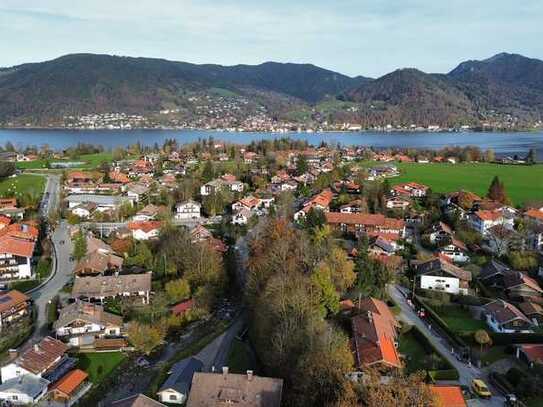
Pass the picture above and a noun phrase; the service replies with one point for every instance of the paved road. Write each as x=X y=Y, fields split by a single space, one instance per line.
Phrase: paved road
x=216 y=353
x=51 y=197
x=467 y=373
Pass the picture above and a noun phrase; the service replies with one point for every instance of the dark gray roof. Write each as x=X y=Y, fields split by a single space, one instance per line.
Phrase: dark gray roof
x=181 y=377
x=494 y=267
x=28 y=384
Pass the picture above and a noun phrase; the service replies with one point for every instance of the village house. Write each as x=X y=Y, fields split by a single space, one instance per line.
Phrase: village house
x=503 y=317
x=449 y=396
x=531 y=354
x=397 y=203
x=375 y=336
x=142 y=167
x=365 y=223
x=410 y=189
x=243 y=390
x=17 y=244
x=9 y=208
x=99 y=258
x=100 y=288
x=533 y=311
x=24 y=390
x=493 y=274
x=104 y=203
x=440 y=275
x=14 y=305
x=534 y=218
x=145 y=230
x=81 y=323
x=227 y=181
x=137 y=192
x=47 y=360
x=520 y=287
x=455 y=250
x=483 y=220
x=188 y=210
x=176 y=388
x=355 y=206
x=201 y=234
x=84 y=210
x=321 y=201
x=149 y=212
x=241 y=217
x=70 y=388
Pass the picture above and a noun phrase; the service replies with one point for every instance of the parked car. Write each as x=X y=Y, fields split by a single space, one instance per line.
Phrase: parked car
x=480 y=389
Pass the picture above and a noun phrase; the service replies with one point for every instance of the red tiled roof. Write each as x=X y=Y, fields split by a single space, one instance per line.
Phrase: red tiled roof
x=42 y=356
x=182 y=307
x=8 y=203
x=534 y=352
x=535 y=213
x=17 y=247
x=365 y=219
x=449 y=396
x=70 y=382
x=11 y=299
x=489 y=215
x=146 y=226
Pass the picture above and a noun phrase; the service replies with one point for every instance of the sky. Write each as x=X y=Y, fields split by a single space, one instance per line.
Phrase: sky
x=354 y=37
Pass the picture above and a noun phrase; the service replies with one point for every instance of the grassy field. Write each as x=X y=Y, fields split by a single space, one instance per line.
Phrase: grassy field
x=21 y=184
x=418 y=357
x=522 y=183
x=460 y=320
x=99 y=365
x=91 y=161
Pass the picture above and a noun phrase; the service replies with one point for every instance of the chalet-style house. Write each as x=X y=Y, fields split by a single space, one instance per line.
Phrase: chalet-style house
x=137 y=192
x=355 y=206
x=25 y=390
x=410 y=189
x=176 y=388
x=104 y=203
x=243 y=390
x=99 y=259
x=483 y=220
x=148 y=213
x=200 y=234
x=534 y=217
x=9 y=208
x=397 y=203
x=188 y=210
x=227 y=181
x=14 y=305
x=533 y=311
x=520 y=287
x=47 y=360
x=455 y=250
x=375 y=336
x=503 y=317
x=81 y=324
x=493 y=274
x=70 y=388
x=145 y=230
x=370 y=224
x=101 y=287
x=17 y=243
x=320 y=201
x=439 y=274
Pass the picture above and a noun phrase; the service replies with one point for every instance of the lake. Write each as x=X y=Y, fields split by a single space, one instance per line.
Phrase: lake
x=502 y=143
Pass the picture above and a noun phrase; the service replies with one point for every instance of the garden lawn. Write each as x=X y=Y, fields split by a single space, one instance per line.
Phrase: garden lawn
x=99 y=365
x=22 y=184
x=522 y=182
x=91 y=161
x=460 y=320
x=417 y=356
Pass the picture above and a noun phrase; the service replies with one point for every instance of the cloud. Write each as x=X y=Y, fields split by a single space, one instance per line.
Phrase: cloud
x=369 y=37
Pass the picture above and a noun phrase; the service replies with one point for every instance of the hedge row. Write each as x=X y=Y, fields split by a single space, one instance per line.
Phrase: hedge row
x=449 y=374
x=442 y=324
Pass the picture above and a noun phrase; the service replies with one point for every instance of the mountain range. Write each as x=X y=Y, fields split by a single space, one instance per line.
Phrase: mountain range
x=506 y=89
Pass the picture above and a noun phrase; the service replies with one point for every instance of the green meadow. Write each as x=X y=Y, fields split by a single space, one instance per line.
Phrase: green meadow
x=523 y=183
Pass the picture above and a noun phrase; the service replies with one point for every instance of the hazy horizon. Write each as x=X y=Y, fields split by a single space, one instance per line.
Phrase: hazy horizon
x=364 y=37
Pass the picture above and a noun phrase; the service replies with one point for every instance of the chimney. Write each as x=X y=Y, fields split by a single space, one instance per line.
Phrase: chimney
x=36 y=347
x=370 y=316
x=249 y=375
x=224 y=371
x=13 y=354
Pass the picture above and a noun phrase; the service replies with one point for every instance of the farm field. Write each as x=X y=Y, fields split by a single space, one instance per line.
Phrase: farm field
x=22 y=184
x=522 y=183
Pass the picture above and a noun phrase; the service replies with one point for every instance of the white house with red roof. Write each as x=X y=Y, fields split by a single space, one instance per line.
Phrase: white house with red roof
x=17 y=243
x=411 y=189
x=483 y=220
x=145 y=230
x=320 y=201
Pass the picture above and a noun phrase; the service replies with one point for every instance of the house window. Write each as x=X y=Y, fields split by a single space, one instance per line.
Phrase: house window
x=173 y=397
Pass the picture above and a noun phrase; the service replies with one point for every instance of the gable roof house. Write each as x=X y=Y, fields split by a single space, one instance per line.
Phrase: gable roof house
x=449 y=396
x=17 y=244
x=483 y=220
x=13 y=306
x=375 y=335
x=533 y=311
x=493 y=274
x=46 y=359
x=320 y=201
x=101 y=287
x=520 y=287
x=145 y=230
x=82 y=323
x=8 y=207
x=188 y=210
x=534 y=217
x=176 y=388
x=99 y=258
x=71 y=387
x=137 y=192
x=215 y=389
x=439 y=274
x=24 y=390
x=503 y=317
x=410 y=189
x=366 y=223
x=137 y=400
x=149 y=212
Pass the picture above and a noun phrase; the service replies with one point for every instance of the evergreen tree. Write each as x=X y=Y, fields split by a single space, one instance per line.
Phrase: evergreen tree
x=208 y=173
x=80 y=246
x=496 y=191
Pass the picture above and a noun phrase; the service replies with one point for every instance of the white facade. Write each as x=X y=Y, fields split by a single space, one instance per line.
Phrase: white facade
x=449 y=285
x=188 y=210
x=139 y=234
x=81 y=212
x=240 y=218
x=172 y=396
x=15 y=267
x=25 y=391
x=12 y=371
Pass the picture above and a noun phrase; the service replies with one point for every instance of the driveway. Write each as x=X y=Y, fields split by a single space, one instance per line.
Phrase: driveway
x=467 y=373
